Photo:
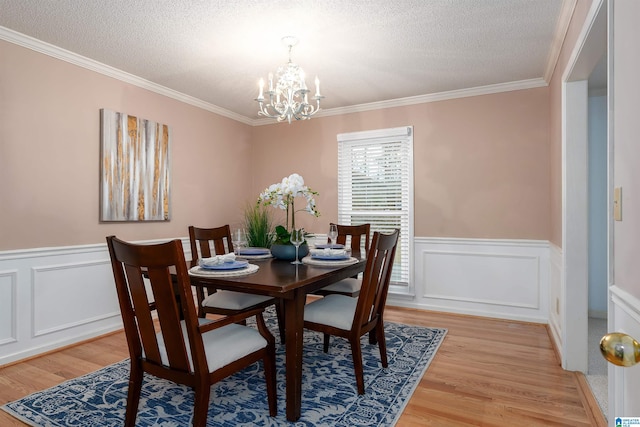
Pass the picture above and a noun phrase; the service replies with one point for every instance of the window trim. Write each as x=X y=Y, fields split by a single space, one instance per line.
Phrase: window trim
x=404 y=135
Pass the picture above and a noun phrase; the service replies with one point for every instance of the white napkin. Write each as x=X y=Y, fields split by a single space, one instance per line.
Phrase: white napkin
x=328 y=252
x=218 y=259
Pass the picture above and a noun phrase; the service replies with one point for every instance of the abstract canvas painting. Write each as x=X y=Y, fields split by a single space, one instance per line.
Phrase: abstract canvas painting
x=135 y=168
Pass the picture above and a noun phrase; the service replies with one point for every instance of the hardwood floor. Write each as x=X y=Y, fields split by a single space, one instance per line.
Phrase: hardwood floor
x=487 y=372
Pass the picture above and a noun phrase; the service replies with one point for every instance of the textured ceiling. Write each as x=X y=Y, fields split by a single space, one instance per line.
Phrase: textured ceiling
x=363 y=51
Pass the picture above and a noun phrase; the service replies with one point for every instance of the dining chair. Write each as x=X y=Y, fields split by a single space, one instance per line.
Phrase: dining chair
x=350 y=318
x=194 y=352
x=358 y=235
x=223 y=302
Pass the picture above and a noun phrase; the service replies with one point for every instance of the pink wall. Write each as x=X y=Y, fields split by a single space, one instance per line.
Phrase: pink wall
x=481 y=163
x=49 y=155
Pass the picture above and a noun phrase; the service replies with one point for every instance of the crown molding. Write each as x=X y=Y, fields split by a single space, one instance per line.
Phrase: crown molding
x=562 y=27
x=90 y=64
x=422 y=99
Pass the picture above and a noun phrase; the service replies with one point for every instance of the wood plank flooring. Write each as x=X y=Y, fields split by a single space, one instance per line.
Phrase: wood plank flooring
x=487 y=372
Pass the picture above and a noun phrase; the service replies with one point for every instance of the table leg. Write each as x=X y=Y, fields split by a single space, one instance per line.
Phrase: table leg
x=294 y=327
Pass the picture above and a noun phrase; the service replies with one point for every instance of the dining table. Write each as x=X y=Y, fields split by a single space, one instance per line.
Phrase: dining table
x=290 y=284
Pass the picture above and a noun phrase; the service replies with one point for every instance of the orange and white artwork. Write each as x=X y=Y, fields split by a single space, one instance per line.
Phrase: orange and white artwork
x=135 y=168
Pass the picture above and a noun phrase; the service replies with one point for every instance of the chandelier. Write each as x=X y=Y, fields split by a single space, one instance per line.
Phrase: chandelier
x=289 y=98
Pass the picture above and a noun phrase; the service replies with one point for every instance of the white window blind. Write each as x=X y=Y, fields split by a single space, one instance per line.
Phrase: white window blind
x=375 y=185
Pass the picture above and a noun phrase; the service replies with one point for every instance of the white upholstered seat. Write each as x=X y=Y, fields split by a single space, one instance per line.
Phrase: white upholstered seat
x=221 y=346
x=333 y=310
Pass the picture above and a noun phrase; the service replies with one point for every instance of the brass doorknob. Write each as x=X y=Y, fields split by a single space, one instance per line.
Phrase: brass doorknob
x=620 y=349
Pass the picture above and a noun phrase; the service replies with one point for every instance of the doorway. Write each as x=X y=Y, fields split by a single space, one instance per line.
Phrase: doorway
x=597 y=228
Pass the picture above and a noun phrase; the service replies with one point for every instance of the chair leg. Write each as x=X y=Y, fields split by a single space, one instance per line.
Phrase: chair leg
x=356 y=353
x=382 y=344
x=201 y=404
x=325 y=346
x=372 y=336
x=269 y=362
x=200 y=298
x=133 y=395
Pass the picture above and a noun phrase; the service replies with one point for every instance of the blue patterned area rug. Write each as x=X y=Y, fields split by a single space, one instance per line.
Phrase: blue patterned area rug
x=329 y=390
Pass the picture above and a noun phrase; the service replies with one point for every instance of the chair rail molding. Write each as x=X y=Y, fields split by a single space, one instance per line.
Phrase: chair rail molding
x=501 y=278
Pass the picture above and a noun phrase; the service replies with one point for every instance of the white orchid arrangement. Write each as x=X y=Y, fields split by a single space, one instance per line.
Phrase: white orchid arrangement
x=282 y=196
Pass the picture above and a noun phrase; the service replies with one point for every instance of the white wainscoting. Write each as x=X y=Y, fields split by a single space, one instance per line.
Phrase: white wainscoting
x=494 y=278
x=624 y=316
x=52 y=297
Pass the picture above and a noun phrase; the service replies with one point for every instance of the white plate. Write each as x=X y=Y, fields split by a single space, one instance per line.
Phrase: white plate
x=201 y=272
x=235 y=265
x=330 y=257
x=333 y=263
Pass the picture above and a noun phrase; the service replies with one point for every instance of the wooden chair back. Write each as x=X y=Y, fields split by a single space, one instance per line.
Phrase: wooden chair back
x=131 y=264
x=376 y=280
x=203 y=238
x=359 y=235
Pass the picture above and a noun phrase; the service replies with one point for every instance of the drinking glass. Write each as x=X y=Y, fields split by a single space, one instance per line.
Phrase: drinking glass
x=297 y=237
x=239 y=239
x=333 y=233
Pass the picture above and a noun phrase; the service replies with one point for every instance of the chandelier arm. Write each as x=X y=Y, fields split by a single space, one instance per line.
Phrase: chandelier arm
x=265 y=110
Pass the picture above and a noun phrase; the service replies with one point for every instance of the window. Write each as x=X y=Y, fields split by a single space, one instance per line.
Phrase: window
x=375 y=185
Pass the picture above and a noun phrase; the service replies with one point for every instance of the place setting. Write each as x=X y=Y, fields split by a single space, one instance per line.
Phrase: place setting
x=227 y=265
x=334 y=255
x=240 y=240
x=253 y=253
x=330 y=254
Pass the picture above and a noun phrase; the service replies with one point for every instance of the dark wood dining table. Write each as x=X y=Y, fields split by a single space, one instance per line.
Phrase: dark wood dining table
x=291 y=284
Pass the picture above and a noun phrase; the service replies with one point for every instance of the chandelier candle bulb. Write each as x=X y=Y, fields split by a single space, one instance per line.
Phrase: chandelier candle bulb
x=317 y=86
x=260 y=95
x=302 y=76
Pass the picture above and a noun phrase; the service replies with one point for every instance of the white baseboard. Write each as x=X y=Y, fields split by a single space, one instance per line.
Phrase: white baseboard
x=597 y=314
x=556 y=299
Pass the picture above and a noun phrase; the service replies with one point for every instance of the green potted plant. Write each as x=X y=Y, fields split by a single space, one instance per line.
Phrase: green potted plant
x=258 y=226
x=282 y=196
